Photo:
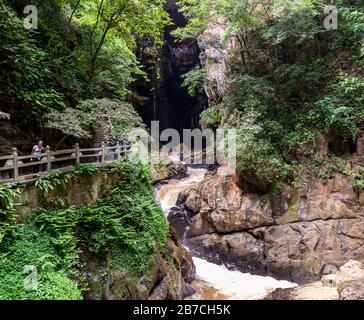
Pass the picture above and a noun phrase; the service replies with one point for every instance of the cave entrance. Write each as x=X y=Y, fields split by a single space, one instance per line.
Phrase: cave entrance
x=168 y=101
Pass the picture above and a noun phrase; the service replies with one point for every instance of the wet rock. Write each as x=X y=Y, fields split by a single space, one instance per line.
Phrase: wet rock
x=229 y=209
x=179 y=219
x=241 y=250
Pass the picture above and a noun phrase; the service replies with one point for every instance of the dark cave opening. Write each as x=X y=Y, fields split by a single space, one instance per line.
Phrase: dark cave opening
x=164 y=99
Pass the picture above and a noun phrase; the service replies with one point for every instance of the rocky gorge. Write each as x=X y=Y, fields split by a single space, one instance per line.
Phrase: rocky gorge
x=295 y=235
x=308 y=229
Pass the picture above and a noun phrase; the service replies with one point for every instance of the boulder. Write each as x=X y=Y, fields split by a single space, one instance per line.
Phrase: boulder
x=162 y=172
x=179 y=219
x=200 y=225
x=329 y=280
x=352 y=270
x=193 y=200
x=349 y=281
x=229 y=209
x=352 y=290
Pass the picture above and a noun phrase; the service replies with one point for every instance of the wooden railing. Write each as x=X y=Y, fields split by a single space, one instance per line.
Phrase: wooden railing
x=18 y=167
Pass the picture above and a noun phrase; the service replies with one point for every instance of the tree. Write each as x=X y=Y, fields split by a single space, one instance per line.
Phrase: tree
x=116 y=118
x=128 y=20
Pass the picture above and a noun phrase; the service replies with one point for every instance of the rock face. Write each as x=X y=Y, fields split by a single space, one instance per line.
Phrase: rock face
x=350 y=281
x=311 y=291
x=168 y=171
x=345 y=284
x=215 y=56
x=297 y=235
x=169 y=278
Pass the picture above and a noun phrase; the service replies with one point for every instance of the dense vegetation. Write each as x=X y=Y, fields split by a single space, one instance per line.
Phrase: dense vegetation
x=82 y=50
x=289 y=79
x=126 y=225
x=68 y=78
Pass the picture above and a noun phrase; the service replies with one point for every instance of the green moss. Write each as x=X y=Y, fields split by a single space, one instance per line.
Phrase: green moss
x=291 y=213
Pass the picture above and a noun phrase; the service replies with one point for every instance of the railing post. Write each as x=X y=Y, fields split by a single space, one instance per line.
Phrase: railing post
x=77 y=149
x=102 y=152
x=118 y=151
x=49 y=159
x=14 y=152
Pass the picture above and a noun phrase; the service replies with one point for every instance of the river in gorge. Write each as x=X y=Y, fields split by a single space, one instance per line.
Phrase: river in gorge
x=216 y=282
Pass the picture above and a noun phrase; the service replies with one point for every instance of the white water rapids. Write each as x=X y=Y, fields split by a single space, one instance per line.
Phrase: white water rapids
x=214 y=282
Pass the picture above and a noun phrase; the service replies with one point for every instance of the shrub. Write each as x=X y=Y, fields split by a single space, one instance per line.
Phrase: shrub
x=210 y=116
x=35 y=248
x=194 y=81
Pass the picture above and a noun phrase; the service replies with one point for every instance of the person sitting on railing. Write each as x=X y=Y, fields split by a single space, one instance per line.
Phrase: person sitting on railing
x=37 y=154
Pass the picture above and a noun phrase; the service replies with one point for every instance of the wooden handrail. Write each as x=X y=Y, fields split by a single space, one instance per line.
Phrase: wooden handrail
x=98 y=155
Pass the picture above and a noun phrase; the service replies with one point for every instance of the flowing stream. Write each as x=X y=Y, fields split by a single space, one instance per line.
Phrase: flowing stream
x=215 y=282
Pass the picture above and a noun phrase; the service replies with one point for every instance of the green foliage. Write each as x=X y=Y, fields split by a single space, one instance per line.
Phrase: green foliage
x=127 y=222
x=55 y=179
x=210 y=116
x=256 y=156
x=35 y=249
x=342 y=109
x=86 y=169
x=358 y=175
x=82 y=50
x=289 y=78
x=8 y=196
x=115 y=117
x=194 y=81
x=25 y=69
x=330 y=167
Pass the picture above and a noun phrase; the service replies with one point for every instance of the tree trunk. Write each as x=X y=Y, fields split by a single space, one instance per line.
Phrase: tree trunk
x=97 y=51
x=74 y=11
